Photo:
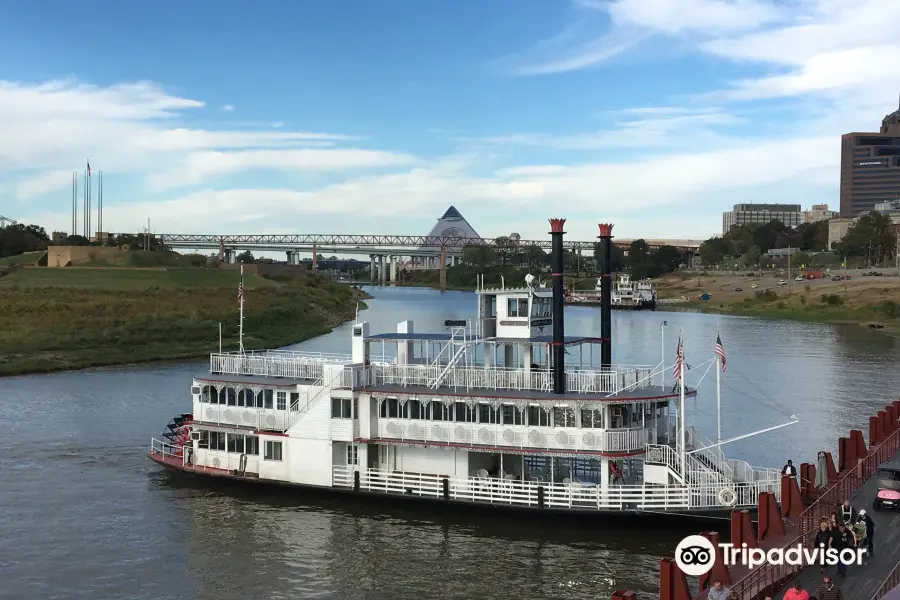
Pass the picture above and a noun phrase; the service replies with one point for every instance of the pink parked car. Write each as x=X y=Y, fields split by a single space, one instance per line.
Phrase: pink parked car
x=888 y=495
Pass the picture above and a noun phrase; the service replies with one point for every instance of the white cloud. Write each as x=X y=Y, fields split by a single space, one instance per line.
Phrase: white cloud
x=49 y=129
x=228 y=108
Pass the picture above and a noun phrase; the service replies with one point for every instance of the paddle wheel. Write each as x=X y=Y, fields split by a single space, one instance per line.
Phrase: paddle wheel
x=178 y=433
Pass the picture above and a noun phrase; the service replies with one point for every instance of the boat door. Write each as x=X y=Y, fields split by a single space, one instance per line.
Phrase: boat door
x=387 y=457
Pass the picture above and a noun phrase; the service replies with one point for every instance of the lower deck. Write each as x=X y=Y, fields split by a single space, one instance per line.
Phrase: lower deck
x=570 y=482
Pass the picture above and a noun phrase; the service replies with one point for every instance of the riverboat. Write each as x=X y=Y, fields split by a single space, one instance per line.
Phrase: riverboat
x=627 y=295
x=503 y=410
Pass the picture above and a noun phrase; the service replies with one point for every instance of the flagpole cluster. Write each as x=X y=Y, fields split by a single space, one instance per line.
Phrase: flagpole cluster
x=720 y=368
x=678 y=373
x=241 y=324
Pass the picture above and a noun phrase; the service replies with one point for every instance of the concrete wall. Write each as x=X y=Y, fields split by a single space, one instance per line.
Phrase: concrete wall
x=63 y=256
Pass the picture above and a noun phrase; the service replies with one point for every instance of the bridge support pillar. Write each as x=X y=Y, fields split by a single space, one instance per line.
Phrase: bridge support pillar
x=381 y=272
x=394 y=261
x=372 y=268
x=315 y=256
x=443 y=267
x=230 y=255
x=290 y=256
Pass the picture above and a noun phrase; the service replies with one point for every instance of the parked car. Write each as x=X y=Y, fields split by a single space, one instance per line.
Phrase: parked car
x=754 y=286
x=782 y=282
x=836 y=278
x=798 y=278
x=737 y=289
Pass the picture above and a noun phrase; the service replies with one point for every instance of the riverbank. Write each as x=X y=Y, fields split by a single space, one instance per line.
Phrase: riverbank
x=866 y=301
x=79 y=317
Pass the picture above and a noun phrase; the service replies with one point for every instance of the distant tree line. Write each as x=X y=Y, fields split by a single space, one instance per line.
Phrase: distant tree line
x=19 y=238
x=870 y=238
x=641 y=260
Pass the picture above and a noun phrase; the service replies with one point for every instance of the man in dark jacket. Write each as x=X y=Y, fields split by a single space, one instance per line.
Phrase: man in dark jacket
x=865 y=519
x=789 y=469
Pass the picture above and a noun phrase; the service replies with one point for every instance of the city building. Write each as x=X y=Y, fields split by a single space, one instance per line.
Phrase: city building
x=818 y=212
x=744 y=214
x=837 y=229
x=870 y=167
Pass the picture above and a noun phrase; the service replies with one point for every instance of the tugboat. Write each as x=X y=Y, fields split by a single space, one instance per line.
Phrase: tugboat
x=503 y=410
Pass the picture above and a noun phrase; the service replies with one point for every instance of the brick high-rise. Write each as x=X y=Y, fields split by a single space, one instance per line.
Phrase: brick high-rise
x=870 y=167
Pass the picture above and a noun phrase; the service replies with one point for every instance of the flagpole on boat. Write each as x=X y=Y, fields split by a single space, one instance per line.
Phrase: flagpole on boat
x=681 y=381
x=241 y=325
x=718 y=393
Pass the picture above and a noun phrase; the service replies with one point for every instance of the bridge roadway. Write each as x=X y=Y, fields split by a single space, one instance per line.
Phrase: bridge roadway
x=401 y=245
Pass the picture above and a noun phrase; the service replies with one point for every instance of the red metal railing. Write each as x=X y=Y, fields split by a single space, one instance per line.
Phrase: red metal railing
x=890 y=582
x=768 y=578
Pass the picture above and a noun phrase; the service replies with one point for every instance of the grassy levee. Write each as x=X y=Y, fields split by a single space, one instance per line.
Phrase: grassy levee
x=861 y=300
x=57 y=319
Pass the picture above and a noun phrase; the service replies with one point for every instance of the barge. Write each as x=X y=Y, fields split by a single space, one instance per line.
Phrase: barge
x=627 y=295
x=503 y=410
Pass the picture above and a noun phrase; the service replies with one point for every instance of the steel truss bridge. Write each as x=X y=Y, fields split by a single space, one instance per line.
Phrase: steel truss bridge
x=375 y=244
x=4 y=221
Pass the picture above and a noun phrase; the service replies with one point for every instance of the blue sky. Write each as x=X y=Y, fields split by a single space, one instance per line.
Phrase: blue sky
x=353 y=116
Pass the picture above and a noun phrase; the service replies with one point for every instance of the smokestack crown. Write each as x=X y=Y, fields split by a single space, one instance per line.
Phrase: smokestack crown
x=605 y=229
x=556 y=225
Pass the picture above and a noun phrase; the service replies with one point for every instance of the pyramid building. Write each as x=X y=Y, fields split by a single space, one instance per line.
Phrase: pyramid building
x=453 y=225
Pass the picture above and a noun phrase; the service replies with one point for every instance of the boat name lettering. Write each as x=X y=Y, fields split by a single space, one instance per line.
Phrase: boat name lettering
x=514 y=323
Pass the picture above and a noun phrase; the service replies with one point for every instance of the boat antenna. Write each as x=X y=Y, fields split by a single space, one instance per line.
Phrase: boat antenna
x=241 y=325
x=357 y=313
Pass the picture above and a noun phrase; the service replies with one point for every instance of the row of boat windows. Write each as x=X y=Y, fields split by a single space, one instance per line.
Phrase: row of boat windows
x=238 y=444
x=505 y=414
x=230 y=396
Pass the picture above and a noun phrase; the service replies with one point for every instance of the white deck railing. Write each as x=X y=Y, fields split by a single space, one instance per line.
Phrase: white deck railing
x=513 y=436
x=556 y=495
x=495 y=378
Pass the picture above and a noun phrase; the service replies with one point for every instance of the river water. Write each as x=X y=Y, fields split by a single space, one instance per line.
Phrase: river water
x=84 y=513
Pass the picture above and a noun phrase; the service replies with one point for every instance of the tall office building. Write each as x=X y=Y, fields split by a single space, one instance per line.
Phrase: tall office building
x=870 y=167
x=744 y=214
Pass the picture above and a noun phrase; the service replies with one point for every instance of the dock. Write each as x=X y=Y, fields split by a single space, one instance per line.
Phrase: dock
x=795 y=521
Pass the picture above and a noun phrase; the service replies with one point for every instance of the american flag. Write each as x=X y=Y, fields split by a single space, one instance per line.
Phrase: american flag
x=679 y=361
x=720 y=350
x=241 y=288
x=89 y=168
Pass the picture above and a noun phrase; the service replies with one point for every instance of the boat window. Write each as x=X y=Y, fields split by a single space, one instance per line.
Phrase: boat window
x=517 y=307
x=488 y=414
x=236 y=443
x=246 y=398
x=295 y=401
x=538 y=417
x=195 y=390
x=281 y=398
x=592 y=418
x=464 y=413
x=439 y=412
x=352 y=455
x=231 y=395
x=216 y=440
x=563 y=416
x=273 y=451
x=541 y=307
x=213 y=395
x=264 y=397
x=203 y=442
x=493 y=309
x=416 y=410
x=251 y=443
x=510 y=415
x=341 y=408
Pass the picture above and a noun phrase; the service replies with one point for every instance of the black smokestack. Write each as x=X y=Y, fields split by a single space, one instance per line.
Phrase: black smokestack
x=559 y=336
x=606 y=296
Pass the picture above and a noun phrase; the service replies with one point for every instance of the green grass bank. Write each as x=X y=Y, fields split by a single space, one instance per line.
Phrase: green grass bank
x=57 y=319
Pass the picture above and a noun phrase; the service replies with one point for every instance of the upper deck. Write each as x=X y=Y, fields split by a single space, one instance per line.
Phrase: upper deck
x=387 y=373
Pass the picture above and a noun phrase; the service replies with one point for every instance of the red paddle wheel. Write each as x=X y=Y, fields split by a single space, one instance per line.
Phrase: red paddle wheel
x=178 y=433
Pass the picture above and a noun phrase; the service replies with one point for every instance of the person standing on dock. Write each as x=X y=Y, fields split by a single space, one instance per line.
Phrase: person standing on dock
x=824 y=538
x=789 y=469
x=866 y=520
x=847 y=513
x=845 y=539
x=830 y=591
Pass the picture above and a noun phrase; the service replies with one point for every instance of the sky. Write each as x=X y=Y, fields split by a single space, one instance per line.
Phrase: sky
x=374 y=116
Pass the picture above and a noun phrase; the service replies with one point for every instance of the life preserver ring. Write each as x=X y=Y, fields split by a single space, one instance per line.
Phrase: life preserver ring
x=728 y=497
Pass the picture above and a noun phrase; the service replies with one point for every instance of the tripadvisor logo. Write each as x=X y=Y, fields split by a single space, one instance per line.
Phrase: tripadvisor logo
x=695 y=556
